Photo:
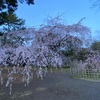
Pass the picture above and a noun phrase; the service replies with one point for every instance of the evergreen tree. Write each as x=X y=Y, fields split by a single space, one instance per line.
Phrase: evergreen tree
x=11 y=22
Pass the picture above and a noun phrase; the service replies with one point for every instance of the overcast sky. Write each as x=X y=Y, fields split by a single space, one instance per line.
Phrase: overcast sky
x=72 y=11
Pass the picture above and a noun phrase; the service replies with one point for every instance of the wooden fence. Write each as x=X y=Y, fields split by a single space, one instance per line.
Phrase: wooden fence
x=85 y=73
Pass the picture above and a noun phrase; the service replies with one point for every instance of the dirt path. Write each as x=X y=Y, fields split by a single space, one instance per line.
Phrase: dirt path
x=55 y=86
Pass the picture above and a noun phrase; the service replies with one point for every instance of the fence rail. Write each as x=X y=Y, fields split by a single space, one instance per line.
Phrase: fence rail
x=85 y=73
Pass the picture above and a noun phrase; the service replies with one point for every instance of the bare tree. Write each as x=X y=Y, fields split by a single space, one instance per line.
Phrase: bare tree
x=96 y=4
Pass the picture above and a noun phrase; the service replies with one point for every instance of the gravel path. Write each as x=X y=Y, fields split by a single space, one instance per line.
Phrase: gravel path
x=55 y=86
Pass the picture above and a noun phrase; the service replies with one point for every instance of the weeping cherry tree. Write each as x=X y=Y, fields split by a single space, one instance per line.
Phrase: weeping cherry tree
x=40 y=48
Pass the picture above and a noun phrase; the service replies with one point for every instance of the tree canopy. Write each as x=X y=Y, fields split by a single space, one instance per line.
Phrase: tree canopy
x=11 y=5
x=7 y=9
x=48 y=41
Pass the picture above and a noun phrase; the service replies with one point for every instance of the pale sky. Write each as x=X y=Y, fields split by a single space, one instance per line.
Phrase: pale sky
x=72 y=11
